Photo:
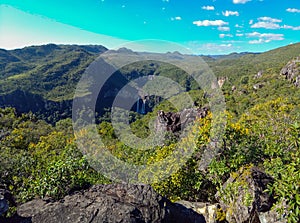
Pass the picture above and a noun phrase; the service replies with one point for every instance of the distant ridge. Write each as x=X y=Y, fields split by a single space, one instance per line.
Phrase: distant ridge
x=231 y=55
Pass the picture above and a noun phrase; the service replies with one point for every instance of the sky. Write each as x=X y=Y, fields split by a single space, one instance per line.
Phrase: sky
x=200 y=26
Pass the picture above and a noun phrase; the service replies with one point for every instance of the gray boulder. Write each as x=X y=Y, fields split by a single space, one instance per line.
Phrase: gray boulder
x=244 y=198
x=292 y=72
x=176 y=121
x=110 y=204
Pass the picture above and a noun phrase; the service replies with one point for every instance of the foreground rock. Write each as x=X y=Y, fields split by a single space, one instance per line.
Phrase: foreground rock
x=110 y=203
x=6 y=200
x=209 y=211
x=244 y=200
x=3 y=202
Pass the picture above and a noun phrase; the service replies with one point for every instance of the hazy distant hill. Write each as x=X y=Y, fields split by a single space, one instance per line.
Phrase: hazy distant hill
x=230 y=56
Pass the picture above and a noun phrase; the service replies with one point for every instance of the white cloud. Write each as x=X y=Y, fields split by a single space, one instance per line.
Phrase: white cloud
x=264 y=37
x=176 y=18
x=269 y=19
x=266 y=25
x=259 y=41
x=212 y=48
x=226 y=45
x=222 y=35
x=271 y=23
x=232 y=41
x=217 y=47
x=238 y=26
x=209 y=8
x=224 y=28
x=210 y=23
x=293 y=10
x=239 y=34
x=240 y=1
x=229 y=13
x=291 y=27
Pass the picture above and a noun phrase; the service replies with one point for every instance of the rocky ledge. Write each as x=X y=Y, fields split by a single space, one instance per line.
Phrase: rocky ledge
x=123 y=203
x=107 y=203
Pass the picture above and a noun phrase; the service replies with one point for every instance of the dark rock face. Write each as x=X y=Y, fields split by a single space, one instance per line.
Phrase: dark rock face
x=101 y=203
x=175 y=122
x=249 y=183
x=207 y=210
x=263 y=201
x=292 y=72
x=110 y=203
x=3 y=205
x=6 y=200
x=178 y=213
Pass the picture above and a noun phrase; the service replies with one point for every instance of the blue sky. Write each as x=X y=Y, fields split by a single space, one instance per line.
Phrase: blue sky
x=202 y=26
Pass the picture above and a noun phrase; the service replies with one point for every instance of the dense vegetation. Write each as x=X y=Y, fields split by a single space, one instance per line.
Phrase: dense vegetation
x=39 y=157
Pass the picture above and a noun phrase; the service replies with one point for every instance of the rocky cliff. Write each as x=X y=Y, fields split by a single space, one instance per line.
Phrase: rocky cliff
x=176 y=121
x=292 y=71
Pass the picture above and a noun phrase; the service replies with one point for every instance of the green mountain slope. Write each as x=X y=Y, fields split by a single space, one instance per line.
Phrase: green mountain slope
x=50 y=71
x=49 y=74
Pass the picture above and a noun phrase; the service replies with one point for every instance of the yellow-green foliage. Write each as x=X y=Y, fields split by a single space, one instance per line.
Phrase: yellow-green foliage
x=41 y=160
x=220 y=215
x=237 y=187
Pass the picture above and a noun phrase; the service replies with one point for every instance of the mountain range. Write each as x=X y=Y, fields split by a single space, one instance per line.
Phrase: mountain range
x=42 y=79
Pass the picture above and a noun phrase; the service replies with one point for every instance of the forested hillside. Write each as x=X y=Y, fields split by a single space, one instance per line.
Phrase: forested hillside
x=39 y=155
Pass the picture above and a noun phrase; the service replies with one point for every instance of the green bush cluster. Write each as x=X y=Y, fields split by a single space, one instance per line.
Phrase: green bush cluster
x=38 y=159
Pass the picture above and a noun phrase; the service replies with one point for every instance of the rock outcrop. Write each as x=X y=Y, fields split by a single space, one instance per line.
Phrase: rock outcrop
x=258 y=86
x=141 y=204
x=3 y=204
x=259 y=74
x=176 y=121
x=244 y=198
x=292 y=71
x=111 y=204
x=209 y=211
